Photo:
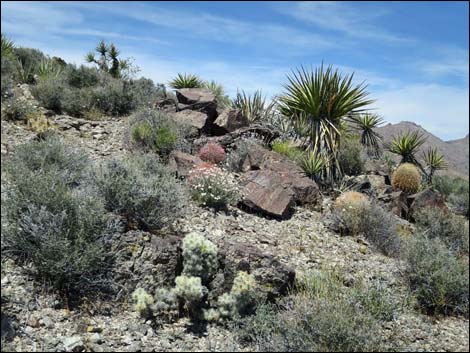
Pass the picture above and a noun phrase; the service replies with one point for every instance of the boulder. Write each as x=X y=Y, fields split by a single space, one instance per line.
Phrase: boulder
x=272 y=277
x=425 y=198
x=230 y=120
x=192 y=118
x=195 y=96
x=181 y=163
x=263 y=190
x=305 y=190
x=369 y=184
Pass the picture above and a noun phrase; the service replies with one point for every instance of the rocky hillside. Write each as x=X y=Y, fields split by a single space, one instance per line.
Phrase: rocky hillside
x=456 y=152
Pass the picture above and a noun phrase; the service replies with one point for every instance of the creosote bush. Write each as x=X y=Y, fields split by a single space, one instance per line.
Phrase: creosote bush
x=142 y=190
x=153 y=130
x=52 y=219
x=407 y=178
x=437 y=277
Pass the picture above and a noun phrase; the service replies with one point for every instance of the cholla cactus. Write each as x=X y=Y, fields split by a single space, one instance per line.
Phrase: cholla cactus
x=165 y=302
x=189 y=288
x=407 y=178
x=199 y=256
x=212 y=152
x=143 y=302
x=243 y=291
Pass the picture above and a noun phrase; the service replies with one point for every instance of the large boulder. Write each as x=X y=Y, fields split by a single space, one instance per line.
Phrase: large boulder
x=264 y=191
x=305 y=190
x=425 y=198
x=230 y=120
x=194 y=119
x=200 y=99
x=272 y=277
x=181 y=163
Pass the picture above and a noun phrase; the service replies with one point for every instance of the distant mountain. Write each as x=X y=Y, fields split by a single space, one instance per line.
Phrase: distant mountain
x=456 y=152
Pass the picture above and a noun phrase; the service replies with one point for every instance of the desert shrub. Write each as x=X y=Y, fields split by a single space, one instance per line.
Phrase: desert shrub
x=436 y=276
x=323 y=316
x=7 y=87
x=455 y=190
x=212 y=186
x=286 y=149
x=50 y=94
x=212 y=152
x=40 y=124
x=50 y=219
x=145 y=93
x=141 y=189
x=459 y=202
x=199 y=256
x=113 y=97
x=451 y=229
x=29 y=58
x=223 y=101
x=14 y=108
x=349 y=156
x=355 y=214
x=153 y=130
x=407 y=178
x=82 y=76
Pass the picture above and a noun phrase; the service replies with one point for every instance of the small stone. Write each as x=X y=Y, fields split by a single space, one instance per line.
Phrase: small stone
x=73 y=344
x=95 y=338
x=94 y=329
x=363 y=249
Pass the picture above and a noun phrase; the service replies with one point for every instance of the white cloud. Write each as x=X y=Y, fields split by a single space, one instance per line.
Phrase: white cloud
x=341 y=17
x=442 y=110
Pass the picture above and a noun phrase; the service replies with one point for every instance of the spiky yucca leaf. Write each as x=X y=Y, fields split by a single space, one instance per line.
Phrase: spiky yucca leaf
x=219 y=92
x=49 y=69
x=313 y=164
x=7 y=46
x=433 y=161
x=253 y=107
x=407 y=145
x=186 y=81
x=320 y=100
x=366 y=123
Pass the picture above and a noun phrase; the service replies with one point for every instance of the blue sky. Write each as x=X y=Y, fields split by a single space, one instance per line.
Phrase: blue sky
x=413 y=55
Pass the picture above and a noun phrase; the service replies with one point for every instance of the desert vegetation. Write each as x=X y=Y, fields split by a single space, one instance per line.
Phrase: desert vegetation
x=279 y=224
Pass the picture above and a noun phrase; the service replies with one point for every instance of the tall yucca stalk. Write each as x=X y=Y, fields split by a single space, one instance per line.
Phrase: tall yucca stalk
x=319 y=101
x=366 y=123
x=407 y=145
x=433 y=161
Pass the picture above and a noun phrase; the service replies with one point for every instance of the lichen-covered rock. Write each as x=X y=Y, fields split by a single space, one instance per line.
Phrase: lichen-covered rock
x=425 y=198
x=194 y=119
x=181 y=163
x=230 y=120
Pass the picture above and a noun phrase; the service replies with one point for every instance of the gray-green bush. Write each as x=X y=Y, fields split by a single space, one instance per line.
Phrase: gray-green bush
x=141 y=189
x=349 y=156
x=51 y=219
x=437 y=277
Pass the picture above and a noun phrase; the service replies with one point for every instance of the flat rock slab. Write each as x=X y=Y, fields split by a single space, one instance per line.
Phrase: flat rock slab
x=191 y=118
x=263 y=190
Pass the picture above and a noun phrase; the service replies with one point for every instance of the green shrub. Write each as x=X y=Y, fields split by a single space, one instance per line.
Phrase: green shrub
x=324 y=316
x=50 y=94
x=437 y=277
x=153 y=130
x=455 y=190
x=349 y=156
x=51 y=219
x=451 y=229
x=199 y=257
x=82 y=76
x=142 y=190
x=286 y=149
x=145 y=93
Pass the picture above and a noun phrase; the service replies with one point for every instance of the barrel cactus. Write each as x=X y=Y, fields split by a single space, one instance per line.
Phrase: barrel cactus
x=407 y=178
x=351 y=200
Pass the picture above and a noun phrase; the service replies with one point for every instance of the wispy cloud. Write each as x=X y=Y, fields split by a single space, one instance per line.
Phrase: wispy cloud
x=342 y=17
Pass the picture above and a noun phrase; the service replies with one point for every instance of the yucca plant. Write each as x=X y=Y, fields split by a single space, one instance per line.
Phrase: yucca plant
x=186 y=81
x=433 y=161
x=24 y=74
x=218 y=91
x=108 y=61
x=313 y=164
x=49 y=69
x=319 y=101
x=366 y=123
x=7 y=46
x=253 y=107
x=407 y=145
